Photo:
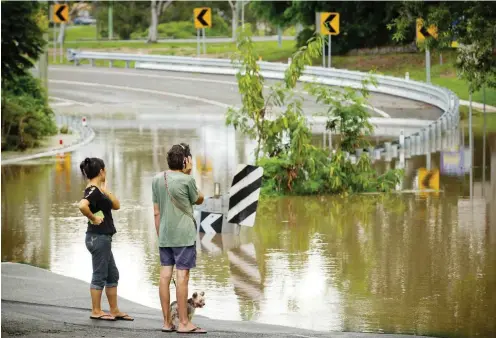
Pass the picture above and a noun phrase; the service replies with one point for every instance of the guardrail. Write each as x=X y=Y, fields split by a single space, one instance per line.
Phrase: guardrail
x=86 y=135
x=430 y=137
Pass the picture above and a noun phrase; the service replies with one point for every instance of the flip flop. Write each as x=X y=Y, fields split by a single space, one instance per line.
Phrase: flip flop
x=105 y=315
x=172 y=329
x=125 y=317
x=195 y=330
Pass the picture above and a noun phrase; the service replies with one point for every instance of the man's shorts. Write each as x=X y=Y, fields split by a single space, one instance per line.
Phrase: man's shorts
x=183 y=257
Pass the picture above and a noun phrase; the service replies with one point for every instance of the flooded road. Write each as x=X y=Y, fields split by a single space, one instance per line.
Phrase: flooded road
x=420 y=264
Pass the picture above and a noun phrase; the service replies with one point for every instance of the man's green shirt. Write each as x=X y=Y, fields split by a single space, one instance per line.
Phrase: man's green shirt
x=176 y=228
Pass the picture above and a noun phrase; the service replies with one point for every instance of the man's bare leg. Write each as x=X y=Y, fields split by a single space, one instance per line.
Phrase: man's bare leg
x=182 y=302
x=164 y=292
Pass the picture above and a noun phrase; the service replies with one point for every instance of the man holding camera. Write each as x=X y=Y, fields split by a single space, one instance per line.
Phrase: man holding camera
x=174 y=194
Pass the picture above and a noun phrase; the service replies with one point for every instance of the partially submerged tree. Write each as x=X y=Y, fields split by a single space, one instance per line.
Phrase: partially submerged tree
x=276 y=121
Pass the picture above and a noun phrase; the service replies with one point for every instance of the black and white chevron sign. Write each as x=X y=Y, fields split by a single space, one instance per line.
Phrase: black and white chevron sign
x=210 y=222
x=244 y=194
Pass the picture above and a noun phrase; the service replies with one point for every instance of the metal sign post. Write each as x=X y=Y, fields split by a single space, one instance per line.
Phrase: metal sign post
x=329 y=52
x=204 y=41
x=421 y=34
x=329 y=25
x=197 y=43
x=202 y=18
x=54 y=43
x=60 y=15
x=427 y=65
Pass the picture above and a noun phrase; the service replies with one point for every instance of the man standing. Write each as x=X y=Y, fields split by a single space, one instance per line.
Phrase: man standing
x=174 y=193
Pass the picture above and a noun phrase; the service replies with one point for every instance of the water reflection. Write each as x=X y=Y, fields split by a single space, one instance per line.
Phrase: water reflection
x=417 y=264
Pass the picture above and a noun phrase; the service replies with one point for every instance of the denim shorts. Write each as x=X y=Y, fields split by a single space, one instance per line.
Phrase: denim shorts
x=105 y=272
x=183 y=257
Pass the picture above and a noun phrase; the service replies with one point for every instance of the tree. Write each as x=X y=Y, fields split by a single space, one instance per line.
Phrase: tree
x=22 y=38
x=26 y=116
x=362 y=23
x=156 y=10
x=472 y=24
x=277 y=123
x=128 y=17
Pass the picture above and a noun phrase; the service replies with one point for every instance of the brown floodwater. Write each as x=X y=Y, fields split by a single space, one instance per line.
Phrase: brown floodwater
x=420 y=264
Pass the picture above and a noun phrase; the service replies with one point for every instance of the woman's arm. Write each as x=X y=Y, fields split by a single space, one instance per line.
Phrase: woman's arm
x=84 y=207
x=116 y=205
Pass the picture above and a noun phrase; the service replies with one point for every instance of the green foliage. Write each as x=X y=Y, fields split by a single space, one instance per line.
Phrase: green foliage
x=64 y=129
x=275 y=119
x=472 y=24
x=22 y=37
x=362 y=23
x=128 y=17
x=26 y=116
x=186 y=29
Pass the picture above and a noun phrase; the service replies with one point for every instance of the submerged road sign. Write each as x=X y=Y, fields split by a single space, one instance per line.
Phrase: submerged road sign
x=203 y=17
x=428 y=179
x=423 y=32
x=329 y=23
x=60 y=13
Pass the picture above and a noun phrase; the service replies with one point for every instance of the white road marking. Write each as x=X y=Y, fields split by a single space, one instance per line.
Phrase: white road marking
x=141 y=90
x=379 y=121
x=67 y=102
x=192 y=79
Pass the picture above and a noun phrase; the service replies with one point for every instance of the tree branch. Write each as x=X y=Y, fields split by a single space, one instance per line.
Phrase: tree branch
x=162 y=6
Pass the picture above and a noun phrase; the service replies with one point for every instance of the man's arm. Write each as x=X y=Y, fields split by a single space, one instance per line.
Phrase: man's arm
x=156 y=207
x=156 y=215
x=200 y=198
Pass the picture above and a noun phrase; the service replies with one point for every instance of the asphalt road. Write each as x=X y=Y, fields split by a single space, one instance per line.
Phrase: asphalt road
x=164 y=92
x=38 y=303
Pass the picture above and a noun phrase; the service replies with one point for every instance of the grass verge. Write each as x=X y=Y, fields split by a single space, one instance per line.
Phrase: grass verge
x=478 y=121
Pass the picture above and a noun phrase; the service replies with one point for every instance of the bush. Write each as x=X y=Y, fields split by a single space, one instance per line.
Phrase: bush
x=64 y=129
x=292 y=165
x=185 y=29
x=26 y=116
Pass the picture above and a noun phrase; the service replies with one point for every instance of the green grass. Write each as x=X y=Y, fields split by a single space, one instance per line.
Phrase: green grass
x=77 y=33
x=478 y=120
x=269 y=50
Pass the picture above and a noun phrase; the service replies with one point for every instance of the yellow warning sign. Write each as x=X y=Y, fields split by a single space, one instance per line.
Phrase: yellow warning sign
x=428 y=179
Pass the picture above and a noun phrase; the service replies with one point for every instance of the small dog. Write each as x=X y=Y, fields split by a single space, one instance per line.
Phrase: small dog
x=196 y=301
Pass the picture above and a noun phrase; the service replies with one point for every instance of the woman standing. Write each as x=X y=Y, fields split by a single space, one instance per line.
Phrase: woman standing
x=97 y=205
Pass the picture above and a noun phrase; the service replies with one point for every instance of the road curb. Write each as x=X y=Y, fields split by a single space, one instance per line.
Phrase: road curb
x=479 y=106
x=87 y=134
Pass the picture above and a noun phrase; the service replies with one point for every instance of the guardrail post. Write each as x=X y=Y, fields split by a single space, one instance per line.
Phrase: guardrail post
x=128 y=64
x=111 y=63
x=396 y=150
x=387 y=149
x=370 y=151
x=440 y=134
x=92 y=62
x=408 y=146
x=377 y=154
x=358 y=153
